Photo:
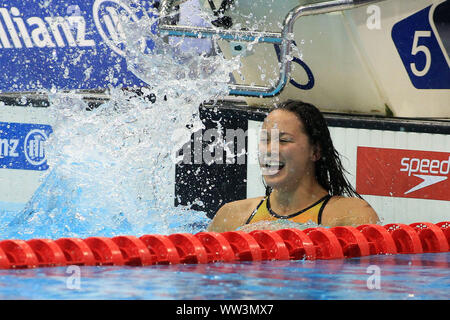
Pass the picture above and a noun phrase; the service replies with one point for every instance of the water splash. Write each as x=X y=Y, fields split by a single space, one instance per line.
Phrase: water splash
x=112 y=170
x=278 y=224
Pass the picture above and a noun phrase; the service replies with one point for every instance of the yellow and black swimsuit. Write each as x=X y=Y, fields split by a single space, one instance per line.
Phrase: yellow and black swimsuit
x=312 y=213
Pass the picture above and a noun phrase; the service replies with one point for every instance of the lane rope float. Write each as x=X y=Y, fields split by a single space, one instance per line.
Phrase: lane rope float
x=209 y=247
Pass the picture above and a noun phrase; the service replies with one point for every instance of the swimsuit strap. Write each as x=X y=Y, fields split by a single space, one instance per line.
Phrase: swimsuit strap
x=256 y=209
x=319 y=217
x=324 y=199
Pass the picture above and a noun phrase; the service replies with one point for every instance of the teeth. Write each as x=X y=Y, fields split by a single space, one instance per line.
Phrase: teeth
x=270 y=170
x=270 y=163
x=274 y=164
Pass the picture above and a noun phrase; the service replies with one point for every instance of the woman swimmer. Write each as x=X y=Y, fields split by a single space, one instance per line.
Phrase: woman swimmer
x=306 y=183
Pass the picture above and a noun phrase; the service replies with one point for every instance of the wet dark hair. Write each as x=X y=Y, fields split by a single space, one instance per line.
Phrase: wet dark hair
x=328 y=168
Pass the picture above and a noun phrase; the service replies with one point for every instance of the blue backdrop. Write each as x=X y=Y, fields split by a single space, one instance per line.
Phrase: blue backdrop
x=64 y=44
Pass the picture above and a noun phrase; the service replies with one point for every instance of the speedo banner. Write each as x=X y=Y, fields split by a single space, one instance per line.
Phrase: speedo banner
x=65 y=45
x=403 y=173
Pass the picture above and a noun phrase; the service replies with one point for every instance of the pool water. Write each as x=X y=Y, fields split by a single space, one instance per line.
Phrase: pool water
x=397 y=277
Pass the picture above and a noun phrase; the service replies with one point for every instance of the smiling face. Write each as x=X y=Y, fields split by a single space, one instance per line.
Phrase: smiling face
x=286 y=154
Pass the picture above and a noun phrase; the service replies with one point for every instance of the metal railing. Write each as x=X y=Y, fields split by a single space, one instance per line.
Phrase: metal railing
x=283 y=38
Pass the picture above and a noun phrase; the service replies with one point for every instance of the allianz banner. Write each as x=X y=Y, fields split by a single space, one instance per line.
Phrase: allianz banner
x=22 y=146
x=65 y=44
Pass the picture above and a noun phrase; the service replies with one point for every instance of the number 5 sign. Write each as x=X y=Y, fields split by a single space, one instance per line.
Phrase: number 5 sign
x=423 y=53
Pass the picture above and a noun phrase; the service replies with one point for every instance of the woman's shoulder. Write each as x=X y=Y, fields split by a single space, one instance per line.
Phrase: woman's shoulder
x=347 y=201
x=244 y=203
x=348 y=211
x=233 y=214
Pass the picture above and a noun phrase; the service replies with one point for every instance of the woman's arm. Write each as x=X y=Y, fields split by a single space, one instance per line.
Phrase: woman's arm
x=342 y=211
x=232 y=215
x=221 y=221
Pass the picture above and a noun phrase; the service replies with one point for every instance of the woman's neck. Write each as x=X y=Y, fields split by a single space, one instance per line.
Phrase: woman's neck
x=290 y=200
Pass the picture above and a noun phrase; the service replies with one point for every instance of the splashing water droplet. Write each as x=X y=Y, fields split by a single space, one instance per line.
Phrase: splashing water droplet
x=111 y=167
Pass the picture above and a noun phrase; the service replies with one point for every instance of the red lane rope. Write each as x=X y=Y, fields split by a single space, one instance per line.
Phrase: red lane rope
x=207 y=247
